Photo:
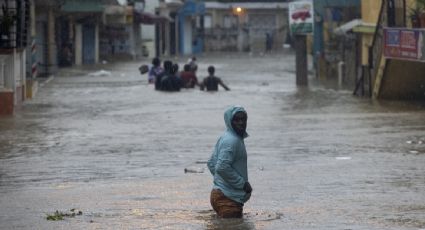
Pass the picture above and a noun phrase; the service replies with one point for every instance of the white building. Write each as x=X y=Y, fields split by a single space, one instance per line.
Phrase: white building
x=242 y=26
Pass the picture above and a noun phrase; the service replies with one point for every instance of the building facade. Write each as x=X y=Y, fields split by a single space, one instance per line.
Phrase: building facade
x=396 y=55
x=244 y=25
x=14 y=37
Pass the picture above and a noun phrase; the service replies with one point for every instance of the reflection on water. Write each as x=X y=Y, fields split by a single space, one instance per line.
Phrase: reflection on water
x=238 y=224
x=185 y=219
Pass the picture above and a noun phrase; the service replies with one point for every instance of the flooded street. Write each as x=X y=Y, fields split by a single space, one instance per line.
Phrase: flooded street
x=116 y=149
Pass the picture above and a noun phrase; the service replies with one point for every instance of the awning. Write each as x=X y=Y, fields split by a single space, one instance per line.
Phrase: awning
x=150 y=18
x=352 y=26
x=366 y=29
x=115 y=10
x=173 y=3
x=344 y=28
x=80 y=6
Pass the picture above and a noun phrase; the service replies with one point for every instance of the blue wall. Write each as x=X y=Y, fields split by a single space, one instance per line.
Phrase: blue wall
x=190 y=8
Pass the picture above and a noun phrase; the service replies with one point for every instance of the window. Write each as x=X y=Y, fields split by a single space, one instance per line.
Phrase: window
x=230 y=21
x=207 y=21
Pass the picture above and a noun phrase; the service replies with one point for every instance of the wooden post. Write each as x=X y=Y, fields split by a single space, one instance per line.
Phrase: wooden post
x=301 y=59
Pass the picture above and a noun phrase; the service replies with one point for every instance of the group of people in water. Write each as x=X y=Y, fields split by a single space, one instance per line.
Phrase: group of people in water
x=168 y=77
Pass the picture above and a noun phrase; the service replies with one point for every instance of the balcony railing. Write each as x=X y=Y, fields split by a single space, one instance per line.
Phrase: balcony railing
x=14 y=23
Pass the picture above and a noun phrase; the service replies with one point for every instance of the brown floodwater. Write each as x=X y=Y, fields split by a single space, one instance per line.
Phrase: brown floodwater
x=116 y=149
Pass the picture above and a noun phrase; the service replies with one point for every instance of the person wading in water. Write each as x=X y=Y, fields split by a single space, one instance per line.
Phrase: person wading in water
x=228 y=165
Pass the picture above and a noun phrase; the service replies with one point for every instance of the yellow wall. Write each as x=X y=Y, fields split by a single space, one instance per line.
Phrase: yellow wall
x=403 y=79
x=370 y=13
x=370 y=10
x=31 y=88
x=366 y=43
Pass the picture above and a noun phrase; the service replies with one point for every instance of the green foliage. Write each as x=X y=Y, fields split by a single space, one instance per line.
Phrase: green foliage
x=61 y=215
x=417 y=9
x=55 y=216
x=421 y=3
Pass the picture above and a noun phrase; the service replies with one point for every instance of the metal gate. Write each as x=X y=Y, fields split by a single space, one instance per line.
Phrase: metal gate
x=259 y=26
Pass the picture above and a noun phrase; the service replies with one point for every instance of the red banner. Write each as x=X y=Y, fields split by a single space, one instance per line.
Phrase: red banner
x=401 y=43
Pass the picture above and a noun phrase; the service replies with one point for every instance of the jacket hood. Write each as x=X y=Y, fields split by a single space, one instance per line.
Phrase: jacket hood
x=228 y=116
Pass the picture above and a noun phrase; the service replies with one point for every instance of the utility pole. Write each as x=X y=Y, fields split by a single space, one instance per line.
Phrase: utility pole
x=301 y=60
x=391 y=13
x=301 y=16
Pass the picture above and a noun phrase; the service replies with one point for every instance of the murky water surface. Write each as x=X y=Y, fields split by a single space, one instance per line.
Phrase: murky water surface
x=117 y=150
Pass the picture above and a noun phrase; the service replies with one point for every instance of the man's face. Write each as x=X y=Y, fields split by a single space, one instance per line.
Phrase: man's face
x=239 y=123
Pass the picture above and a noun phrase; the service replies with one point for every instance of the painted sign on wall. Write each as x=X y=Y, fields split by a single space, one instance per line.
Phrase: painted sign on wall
x=301 y=17
x=407 y=44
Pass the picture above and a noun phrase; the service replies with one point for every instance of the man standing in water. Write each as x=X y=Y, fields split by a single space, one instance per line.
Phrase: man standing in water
x=211 y=82
x=228 y=165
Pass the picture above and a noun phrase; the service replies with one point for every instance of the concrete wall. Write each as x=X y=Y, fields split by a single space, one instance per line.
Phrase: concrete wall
x=78 y=44
x=52 y=65
x=12 y=75
x=148 y=31
x=6 y=102
x=96 y=44
x=403 y=80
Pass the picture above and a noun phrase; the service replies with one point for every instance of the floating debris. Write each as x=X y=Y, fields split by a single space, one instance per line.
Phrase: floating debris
x=100 y=73
x=193 y=170
x=55 y=216
x=144 y=69
x=343 y=158
x=265 y=216
x=61 y=215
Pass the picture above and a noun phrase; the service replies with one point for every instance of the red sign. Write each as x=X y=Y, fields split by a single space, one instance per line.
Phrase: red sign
x=400 y=43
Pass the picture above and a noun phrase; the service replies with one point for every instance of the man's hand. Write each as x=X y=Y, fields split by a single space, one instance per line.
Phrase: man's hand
x=247 y=187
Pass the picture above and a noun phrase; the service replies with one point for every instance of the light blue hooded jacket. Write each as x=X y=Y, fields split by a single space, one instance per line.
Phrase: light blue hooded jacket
x=228 y=162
